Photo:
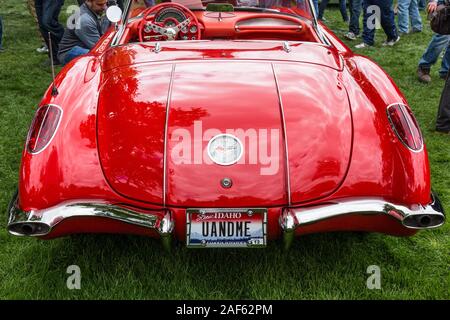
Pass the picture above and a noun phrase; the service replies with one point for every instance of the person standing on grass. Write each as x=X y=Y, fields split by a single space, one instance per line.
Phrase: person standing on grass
x=47 y=12
x=387 y=23
x=1 y=35
x=438 y=43
x=32 y=9
x=355 y=7
x=408 y=9
x=443 y=115
x=342 y=8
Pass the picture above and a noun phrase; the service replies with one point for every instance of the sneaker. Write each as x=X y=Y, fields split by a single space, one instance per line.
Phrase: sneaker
x=390 y=43
x=443 y=76
x=350 y=35
x=362 y=45
x=423 y=75
x=42 y=49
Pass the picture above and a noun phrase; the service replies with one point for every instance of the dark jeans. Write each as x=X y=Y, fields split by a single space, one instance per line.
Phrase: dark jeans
x=342 y=8
x=386 y=17
x=443 y=116
x=1 y=32
x=355 y=7
x=47 y=12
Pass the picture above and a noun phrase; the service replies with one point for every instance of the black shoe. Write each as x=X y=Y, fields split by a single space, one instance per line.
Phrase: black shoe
x=440 y=131
x=48 y=63
x=443 y=76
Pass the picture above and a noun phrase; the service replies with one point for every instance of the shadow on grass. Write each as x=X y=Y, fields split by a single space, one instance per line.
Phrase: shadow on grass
x=131 y=267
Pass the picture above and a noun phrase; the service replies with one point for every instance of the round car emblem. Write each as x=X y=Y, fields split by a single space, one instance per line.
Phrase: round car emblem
x=225 y=149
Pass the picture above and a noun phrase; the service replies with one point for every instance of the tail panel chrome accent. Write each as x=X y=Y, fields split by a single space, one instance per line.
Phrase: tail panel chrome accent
x=41 y=222
x=417 y=217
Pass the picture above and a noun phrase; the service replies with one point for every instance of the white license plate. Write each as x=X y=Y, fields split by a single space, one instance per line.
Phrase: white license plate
x=226 y=228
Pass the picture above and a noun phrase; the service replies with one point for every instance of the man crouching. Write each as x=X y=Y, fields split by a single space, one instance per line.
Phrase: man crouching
x=90 y=27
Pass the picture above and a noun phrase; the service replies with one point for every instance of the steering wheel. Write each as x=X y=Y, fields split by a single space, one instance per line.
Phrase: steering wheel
x=168 y=28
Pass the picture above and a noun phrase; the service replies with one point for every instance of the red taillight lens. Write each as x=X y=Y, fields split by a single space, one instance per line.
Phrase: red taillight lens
x=43 y=128
x=405 y=126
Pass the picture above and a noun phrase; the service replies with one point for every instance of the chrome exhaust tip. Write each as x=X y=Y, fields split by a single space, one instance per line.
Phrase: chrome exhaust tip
x=423 y=221
x=432 y=216
x=28 y=229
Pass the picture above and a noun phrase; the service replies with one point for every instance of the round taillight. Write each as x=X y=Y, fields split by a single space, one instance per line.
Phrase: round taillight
x=405 y=126
x=43 y=128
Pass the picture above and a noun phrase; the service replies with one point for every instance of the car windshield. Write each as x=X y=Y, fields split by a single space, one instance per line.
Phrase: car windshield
x=291 y=7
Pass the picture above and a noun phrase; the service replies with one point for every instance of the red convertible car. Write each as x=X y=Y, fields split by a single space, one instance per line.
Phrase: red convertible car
x=223 y=124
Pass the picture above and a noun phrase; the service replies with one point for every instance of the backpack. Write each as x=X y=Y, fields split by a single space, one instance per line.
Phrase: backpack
x=440 y=20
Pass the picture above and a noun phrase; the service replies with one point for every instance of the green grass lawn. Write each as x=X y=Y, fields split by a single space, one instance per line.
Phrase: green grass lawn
x=324 y=266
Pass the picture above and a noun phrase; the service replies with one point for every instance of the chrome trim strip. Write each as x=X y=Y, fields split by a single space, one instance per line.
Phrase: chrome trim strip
x=123 y=25
x=313 y=11
x=166 y=125
x=47 y=219
x=283 y=122
x=287 y=46
x=293 y=218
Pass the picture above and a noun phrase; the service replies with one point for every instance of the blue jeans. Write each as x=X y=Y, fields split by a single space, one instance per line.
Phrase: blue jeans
x=355 y=7
x=434 y=49
x=342 y=8
x=73 y=53
x=408 y=9
x=47 y=12
x=386 y=17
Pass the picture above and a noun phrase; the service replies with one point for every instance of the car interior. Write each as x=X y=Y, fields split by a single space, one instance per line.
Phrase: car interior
x=220 y=20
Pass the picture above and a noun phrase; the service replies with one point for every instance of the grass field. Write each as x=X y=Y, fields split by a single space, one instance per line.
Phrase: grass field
x=327 y=266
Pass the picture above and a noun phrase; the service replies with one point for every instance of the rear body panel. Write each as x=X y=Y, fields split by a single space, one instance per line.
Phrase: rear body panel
x=124 y=108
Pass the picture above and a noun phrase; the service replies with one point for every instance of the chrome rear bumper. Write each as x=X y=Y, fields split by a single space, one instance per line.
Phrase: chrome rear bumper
x=39 y=223
x=418 y=217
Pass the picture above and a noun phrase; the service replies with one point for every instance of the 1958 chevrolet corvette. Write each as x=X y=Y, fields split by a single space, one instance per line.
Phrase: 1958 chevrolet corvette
x=223 y=124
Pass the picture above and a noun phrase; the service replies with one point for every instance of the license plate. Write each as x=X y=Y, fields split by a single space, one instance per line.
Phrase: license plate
x=226 y=228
